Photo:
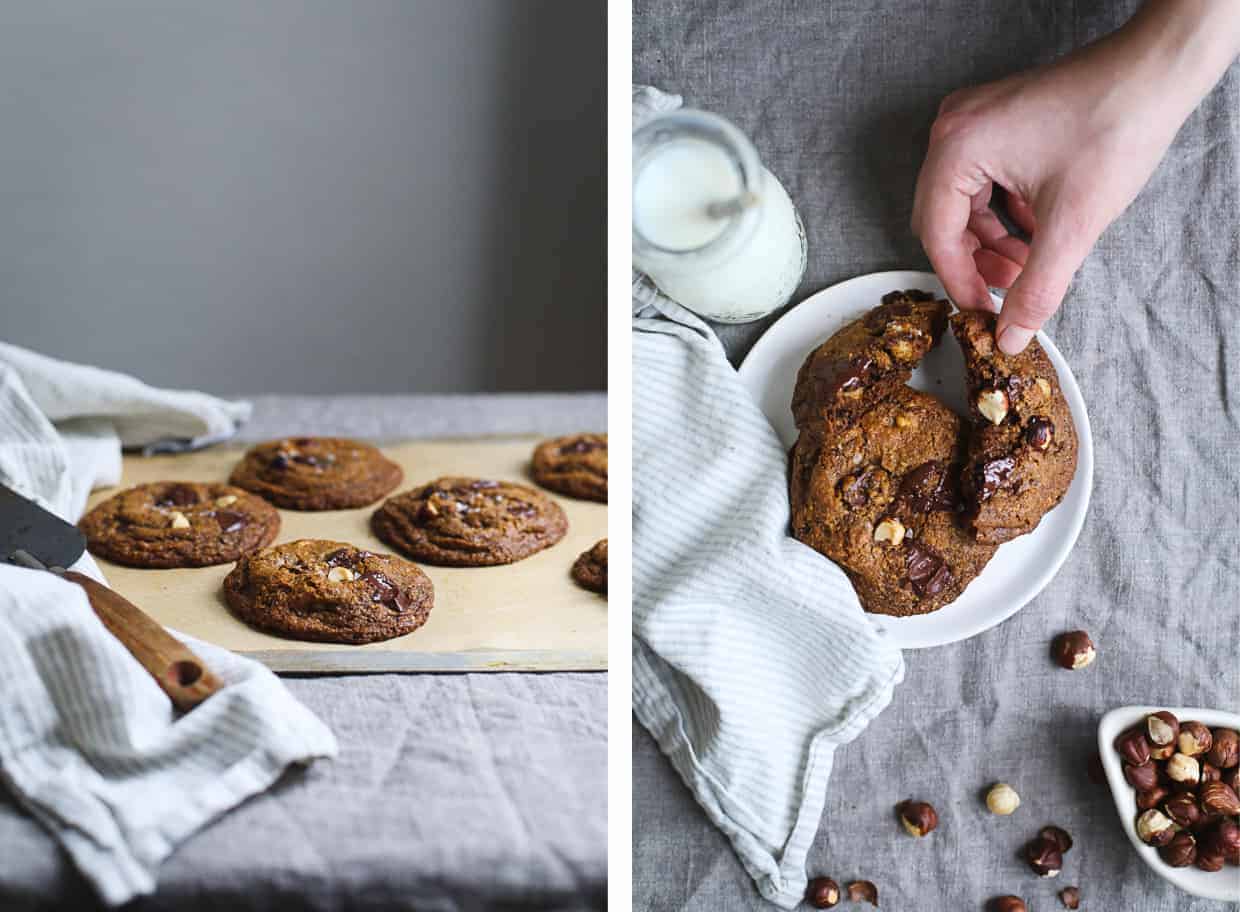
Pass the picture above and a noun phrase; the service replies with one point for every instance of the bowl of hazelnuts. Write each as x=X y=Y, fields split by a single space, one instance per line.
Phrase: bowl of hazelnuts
x=1175 y=777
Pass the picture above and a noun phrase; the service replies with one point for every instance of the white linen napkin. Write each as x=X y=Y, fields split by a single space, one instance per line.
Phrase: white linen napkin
x=752 y=658
x=89 y=744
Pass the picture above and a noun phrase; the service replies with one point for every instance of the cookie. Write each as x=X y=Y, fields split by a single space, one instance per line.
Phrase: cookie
x=1023 y=447
x=879 y=496
x=575 y=465
x=470 y=522
x=317 y=473
x=179 y=524
x=867 y=359
x=590 y=569
x=330 y=592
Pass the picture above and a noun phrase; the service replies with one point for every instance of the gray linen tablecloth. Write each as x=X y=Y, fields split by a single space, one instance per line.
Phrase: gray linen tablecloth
x=839 y=98
x=451 y=792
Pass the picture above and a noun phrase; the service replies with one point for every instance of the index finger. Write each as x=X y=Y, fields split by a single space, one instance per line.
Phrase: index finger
x=941 y=212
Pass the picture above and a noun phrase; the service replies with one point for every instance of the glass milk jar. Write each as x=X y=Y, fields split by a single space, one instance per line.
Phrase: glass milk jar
x=712 y=227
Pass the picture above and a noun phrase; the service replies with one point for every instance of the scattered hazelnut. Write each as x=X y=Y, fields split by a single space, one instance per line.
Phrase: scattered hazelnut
x=1155 y=828
x=1231 y=778
x=1184 y=770
x=823 y=893
x=1162 y=728
x=226 y=501
x=1143 y=777
x=1217 y=798
x=1226 y=750
x=1152 y=798
x=1044 y=857
x=918 y=817
x=1044 y=387
x=1195 y=739
x=889 y=530
x=1009 y=904
x=1211 y=773
x=863 y=891
x=993 y=405
x=1073 y=650
x=1039 y=433
x=1058 y=836
x=1184 y=810
x=1209 y=861
x=1227 y=837
x=1002 y=799
x=178 y=520
x=341 y=575
x=1070 y=897
x=1181 y=851
x=1133 y=746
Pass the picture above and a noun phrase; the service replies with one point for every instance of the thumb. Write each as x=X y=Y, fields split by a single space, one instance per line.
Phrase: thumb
x=1058 y=248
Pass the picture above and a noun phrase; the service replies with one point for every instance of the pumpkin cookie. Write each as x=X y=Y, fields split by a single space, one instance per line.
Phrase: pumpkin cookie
x=317 y=473
x=575 y=465
x=179 y=524
x=470 y=522
x=590 y=569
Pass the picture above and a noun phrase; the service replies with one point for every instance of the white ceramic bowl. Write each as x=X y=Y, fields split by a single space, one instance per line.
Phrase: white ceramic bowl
x=1224 y=884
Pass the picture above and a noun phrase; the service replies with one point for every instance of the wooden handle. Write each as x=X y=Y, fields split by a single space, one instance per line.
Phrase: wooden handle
x=175 y=668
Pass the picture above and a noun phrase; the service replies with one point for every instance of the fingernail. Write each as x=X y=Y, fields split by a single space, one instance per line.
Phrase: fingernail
x=1013 y=339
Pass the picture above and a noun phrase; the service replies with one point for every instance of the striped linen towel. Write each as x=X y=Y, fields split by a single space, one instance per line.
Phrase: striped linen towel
x=89 y=744
x=752 y=658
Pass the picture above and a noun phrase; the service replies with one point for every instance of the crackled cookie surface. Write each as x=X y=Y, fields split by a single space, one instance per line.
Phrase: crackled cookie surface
x=880 y=497
x=1023 y=446
x=574 y=465
x=317 y=473
x=179 y=524
x=867 y=359
x=470 y=522
x=329 y=591
x=590 y=569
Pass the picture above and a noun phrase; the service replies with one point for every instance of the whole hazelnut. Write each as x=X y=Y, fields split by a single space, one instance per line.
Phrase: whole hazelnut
x=1217 y=798
x=1002 y=799
x=1044 y=857
x=918 y=817
x=1039 y=434
x=1162 y=728
x=1183 y=769
x=1133 y=746
x=822 y=893
x=1209 y=861
x=1058 y=836
x=1153 y=798
x=1195 y=739
x=1227 y=837
x=1155 y=828
x=890 y=530
x=1184 y=810
x=993 y=405
x=1143 y=777
x=1231 y=778
x=863 y=891
x=1009 y=904
x=1210 y=773
x=1226 y=750
x=1181 y=851
x=1073 y=650
x=1070 y=897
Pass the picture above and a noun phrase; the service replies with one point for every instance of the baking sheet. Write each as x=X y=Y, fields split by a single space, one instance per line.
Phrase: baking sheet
x=527 y=616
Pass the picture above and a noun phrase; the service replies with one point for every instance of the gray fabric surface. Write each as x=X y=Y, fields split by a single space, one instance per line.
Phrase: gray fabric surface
x=839 y=97
x=451 y=792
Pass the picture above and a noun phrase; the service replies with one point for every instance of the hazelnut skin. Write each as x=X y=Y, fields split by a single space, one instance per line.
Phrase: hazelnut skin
x=1058 y=836
x=1195 y=739
x=1156 y=828
x=1184 y=810
x=1232 y=778
x=823 y=893
x=1153 y=798
x=1044 y=857
x=918 y=817
x=863 y=891
x=1226 y=750
x=1002 y=799
x=1181 y=851
x=1209 y=861
x=1210 y=773
x=1070 y=897
x=1133 y=747
x=1227 y=837
x=1009 y=904
x=1143 y=777
x=1040 y=433
x=1184 y=770
x=1217 y=798
x=1073 y=650
x=1162 y=728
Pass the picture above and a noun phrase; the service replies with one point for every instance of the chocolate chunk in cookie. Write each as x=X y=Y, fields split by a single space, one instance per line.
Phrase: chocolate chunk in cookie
x=576 y=466
x=867 y=359
x=1023 y=447
x=590 y=569
x=179 y=524
x=330 y=592
x=470 y=522
x=317 y=473
x=880 y=497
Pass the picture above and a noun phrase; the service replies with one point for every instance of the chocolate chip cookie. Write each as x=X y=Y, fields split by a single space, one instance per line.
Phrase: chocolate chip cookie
x=575 y=465
x=317 y=473
x=867 y=359
x=590 y=569
x=179 y=524
x=470 y=522
x=330 y=592
x=1023 y=447
x=879 y=496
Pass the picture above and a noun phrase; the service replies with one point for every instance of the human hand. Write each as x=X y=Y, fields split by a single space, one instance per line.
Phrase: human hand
x=1072 y=144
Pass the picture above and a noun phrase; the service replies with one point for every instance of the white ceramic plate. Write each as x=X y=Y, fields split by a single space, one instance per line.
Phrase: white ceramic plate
x=1020 y=568
x=1224 y=884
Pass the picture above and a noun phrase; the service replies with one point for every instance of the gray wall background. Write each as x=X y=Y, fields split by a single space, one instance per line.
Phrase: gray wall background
x=316 y=197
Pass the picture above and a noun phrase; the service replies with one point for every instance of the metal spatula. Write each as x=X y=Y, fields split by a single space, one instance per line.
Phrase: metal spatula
x=32 y=537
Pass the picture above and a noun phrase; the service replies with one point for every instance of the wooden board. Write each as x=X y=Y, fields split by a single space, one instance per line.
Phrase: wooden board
x=527 y=616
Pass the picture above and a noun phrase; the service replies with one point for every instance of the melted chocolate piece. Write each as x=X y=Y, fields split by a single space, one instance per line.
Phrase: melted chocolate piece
x=843 y=375
x=855 y=488
x=989 y=477
x=178 y=496
x=483 y=483
x=343 y=557
x=229 y=520
x=311 y=460
x=385 y=592
x=927 y=571
x=583 y=446
x=927 y=489
x=278 y=461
